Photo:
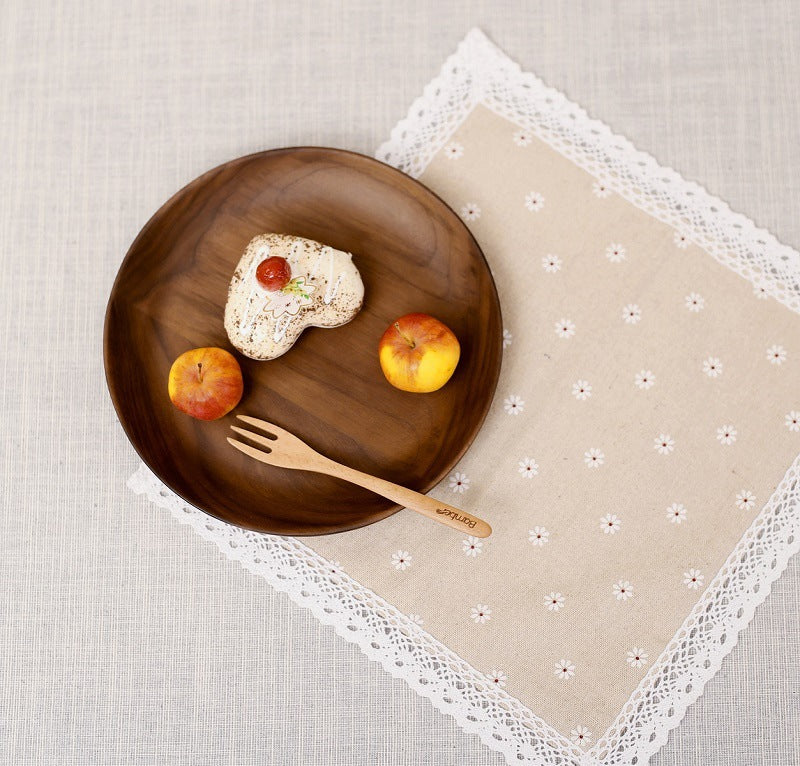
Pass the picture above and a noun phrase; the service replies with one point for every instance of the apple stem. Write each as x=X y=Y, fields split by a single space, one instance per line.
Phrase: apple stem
x=200 y=371
x=405 y=337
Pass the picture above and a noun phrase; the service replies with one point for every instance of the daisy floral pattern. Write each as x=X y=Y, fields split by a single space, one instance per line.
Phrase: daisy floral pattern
x=472 y=546
x=459 y=482
x=793 y=420
x=565 y=328
x=401 y=560
x=760 y=291
x=693 y=579
x=470 y=212
x=726 y=435
x=507 y=338
x=637 y=658
x=538 y=536
x=615 y=253
x=712 y=367
x=676 y=513
x=610 y=524
x=480 y=613
x=600 y=190
x=681 y=240
x=454 y=151
x=631 y=314
x=551 y=263
x=745 y=499
x=564 y=669
x=534 y=202
x=593 y=458
x=498 y=677
x=695 y=302
x=581 y=390
x=554 y=602
x=644 y=379
x=580 y=735
x=622 y=590
x=513 y=405
x=664 y=444
x=522 y=138
x=528 y=467
x=776 y=355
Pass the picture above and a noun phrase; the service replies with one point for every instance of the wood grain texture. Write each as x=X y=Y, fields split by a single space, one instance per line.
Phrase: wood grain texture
x=276 y=446
x=414 y=254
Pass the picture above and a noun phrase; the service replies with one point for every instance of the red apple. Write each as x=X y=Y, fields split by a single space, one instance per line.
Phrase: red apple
x=418 y=353
x=205 y=383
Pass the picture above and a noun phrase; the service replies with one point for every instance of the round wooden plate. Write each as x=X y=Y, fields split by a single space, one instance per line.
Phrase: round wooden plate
x=414 y=254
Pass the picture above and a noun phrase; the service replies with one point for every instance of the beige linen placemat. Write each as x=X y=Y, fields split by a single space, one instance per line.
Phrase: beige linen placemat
x=638 y=463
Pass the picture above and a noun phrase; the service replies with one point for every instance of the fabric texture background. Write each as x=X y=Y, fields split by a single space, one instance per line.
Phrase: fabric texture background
x=126 y=639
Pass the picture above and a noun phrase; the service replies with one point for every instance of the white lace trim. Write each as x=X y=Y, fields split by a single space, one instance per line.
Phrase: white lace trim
x=479 y=72
x=382 y=632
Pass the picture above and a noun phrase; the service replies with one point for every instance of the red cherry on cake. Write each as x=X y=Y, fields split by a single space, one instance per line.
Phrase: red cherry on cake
x=274 y=273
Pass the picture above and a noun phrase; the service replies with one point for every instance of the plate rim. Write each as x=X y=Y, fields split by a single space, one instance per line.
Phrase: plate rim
x=198 y=181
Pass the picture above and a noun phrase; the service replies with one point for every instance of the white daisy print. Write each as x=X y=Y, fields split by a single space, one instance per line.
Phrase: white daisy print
x=676 y=513
x=593 y=458
x=480 y=613
x=498 y=677
x=454 y=151
x=712 y=367
x=470 y=212
x=534 y=201
x=416 y=619
x=599 y=189
x=580 y=735
x=610 y=523
x=644 y=379
x=472 y=546
x=760 y=291
x=745 y=499
x=793 y=420
x=459 y=482
x=522 y=138
x=637 y=658
x=622 y=590
x=726 y=434
x=693 y=579
x=554 y=602
x=615 y=253
x=551 y=263
x=776 y=354
x=680 y=240
x=538 y=536
x=401 y=560
x=631 y=313
x=565 y=669
x=565 y=328
x=581 y=390
x=695 y=302
x=528 y=467
x=664 y=444
x=507 y=338
x=513 y=405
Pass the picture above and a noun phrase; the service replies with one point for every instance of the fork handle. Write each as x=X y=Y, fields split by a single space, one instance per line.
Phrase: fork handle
x=415 y=501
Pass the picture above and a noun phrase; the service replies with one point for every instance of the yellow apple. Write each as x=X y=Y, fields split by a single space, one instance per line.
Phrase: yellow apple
x=418 y=353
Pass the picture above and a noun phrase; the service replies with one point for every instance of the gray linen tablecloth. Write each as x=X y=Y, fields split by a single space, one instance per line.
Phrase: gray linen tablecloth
x=126 y=639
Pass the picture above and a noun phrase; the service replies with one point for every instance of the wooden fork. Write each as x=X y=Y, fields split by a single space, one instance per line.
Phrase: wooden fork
x=283 y=449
